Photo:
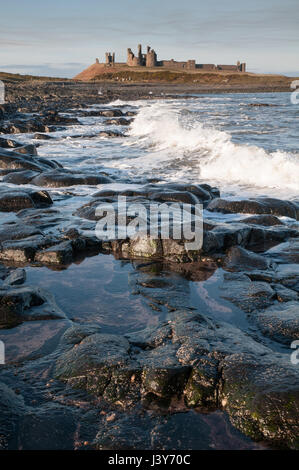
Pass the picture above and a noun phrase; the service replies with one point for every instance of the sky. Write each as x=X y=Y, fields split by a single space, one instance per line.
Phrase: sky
x=62 y=37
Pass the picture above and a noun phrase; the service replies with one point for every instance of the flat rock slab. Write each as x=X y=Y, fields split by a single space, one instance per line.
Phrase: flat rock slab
x=64 y=178
x=14 y=200
x=280 y=322
x=271 y=206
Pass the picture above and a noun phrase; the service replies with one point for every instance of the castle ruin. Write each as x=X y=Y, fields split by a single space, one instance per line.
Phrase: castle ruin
x=149 y=59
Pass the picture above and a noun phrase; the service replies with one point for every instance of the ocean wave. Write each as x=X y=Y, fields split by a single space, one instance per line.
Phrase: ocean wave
x=163 y=129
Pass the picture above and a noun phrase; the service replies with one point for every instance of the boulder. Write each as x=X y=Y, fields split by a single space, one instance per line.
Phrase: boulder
x=261 y=396
x=239 y=259
x=64 y=178
x=15 y=200
x=271 y=206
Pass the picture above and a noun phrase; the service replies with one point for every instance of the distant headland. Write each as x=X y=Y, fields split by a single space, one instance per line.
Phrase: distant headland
x=149 y=61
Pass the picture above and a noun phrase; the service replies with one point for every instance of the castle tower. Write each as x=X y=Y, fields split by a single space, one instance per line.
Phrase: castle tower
x=139 y=59
x=151 y=58
x=109 y=59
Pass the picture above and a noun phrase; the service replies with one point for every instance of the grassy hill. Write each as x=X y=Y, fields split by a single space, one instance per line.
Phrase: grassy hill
x=15 y=77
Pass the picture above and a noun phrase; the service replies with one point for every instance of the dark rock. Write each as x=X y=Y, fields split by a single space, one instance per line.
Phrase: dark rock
x=20 y=177
x=39 y=136
x=239 y=259
x=91 y=362
x=267 y=220
x=27 y=149
x=17 y=231
x=15 y=200
x=8 y=143
x=261 y=396
x=284 y=294
x=255 y=206
x=16 y=278
x=24 y=250
x=280 y=322
x=110 y=134
x=61 y=254
x=118 y=122
x=15 y=161
x=11 y=408
x=26 y=304
x=248 y=295
x=60 y=178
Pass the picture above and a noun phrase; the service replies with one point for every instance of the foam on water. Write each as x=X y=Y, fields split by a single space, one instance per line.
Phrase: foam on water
x=169 y=134
x=218 y=139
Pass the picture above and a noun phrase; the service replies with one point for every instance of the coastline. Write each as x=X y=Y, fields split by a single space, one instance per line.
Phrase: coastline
x=36 y=95
x=132 y=342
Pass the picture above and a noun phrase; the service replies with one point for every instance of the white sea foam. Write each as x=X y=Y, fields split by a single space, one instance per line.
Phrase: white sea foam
x=170 y=134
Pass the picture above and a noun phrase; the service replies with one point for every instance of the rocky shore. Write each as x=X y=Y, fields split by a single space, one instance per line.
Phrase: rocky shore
x=68 y=384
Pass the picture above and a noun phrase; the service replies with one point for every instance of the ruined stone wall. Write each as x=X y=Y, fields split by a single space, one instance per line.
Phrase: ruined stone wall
x=173 y=64
x=151 y=58
x=232 y=68
x=206 y=66
x=109 y=58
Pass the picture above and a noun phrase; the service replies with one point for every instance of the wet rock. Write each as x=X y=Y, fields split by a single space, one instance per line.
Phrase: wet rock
x=24 y=250
x=61 y=254
x=24 y=126
x=140 y=431
x=26 y=304
x=41 y=218
x=280 y=322
x=39 y=136
x=255 y=206
x=77 y=333
x=266 y=220
x=223 y=236
x=8 y=143
x=287 y=252
x=174 y=196
x=49 y=427
x=118 y=122
x=128 y=432
x=20 y=177
x=16 y=278
x=201 y=388
x=248 y=295
x=239 y=259
x=110 y=134
x=261 y=396
x=11 y=408
x=109 y=113
x=203 y=192
x=17 y=231
x=11 y=160
x=27 y=149
x=162 y=374
x=284 y=294
x=91 y=362
x=52 y=117
x=56 y=179
x=150 y=337
x=15 y=200
x=287 y=275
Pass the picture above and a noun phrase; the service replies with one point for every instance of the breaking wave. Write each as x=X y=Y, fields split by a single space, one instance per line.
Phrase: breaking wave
x=172 y=133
